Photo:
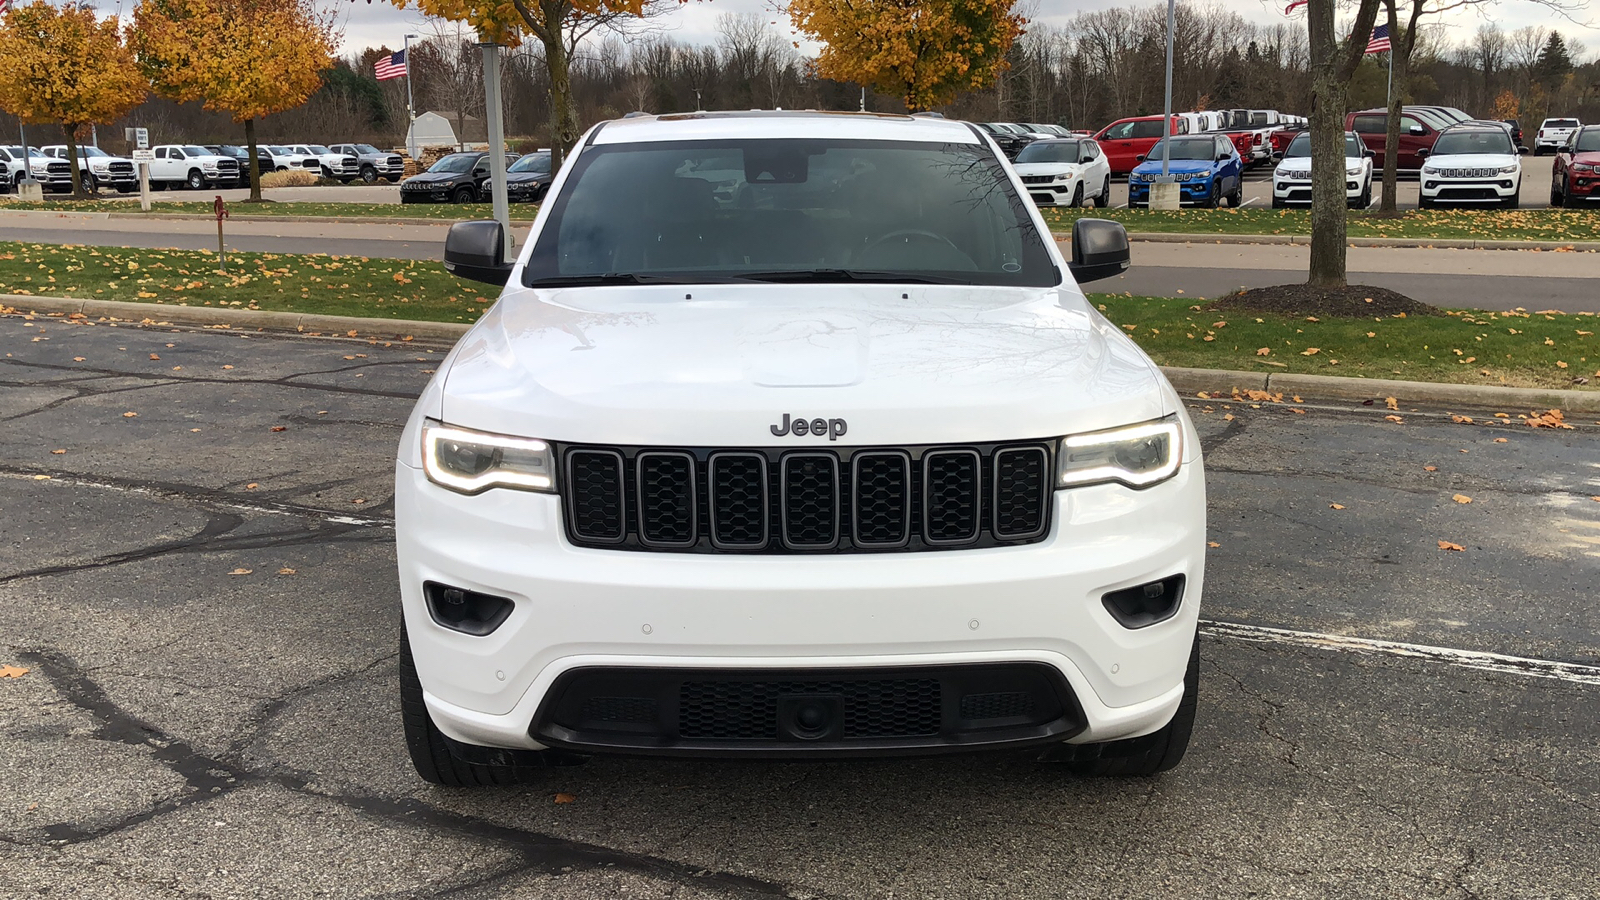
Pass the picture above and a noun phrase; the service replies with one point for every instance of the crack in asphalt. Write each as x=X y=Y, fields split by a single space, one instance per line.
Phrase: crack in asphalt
x=285 y=381
x=210 y=777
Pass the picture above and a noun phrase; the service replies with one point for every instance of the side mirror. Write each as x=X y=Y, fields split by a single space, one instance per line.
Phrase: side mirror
x=1367 y=152
x=1139 y=157
x=1099 y=250
x=1224 y=157
x=1417 y=130
x=1086 y=159
x=1523 y=151
x=476 y=250
x=1423 y=153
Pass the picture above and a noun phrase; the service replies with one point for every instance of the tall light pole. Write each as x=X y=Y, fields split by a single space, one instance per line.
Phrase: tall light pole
x=411 y=112
x=497 y=139
x=1171 y=194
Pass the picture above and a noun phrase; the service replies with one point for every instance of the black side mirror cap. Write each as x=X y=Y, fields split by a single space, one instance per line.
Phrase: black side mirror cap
x=1523 y=151
x=476 y=250
x=1418 y=129
x=1099 y=250
x=1139 y=157
x=1423 y=153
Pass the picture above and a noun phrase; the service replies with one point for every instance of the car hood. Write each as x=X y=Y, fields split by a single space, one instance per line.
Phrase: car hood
x=525 y=178
x=1177 y=165
x=1046 y=168
x=1588 y=157
x=432 y=177
x=926 y=364
x=1473 y=160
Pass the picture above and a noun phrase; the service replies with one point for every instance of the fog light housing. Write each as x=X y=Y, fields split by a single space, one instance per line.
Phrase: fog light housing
x=469 y=612
x=1146 y=604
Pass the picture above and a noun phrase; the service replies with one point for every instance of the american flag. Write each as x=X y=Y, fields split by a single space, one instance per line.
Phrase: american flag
x=391 y=66
x=1294 y=5
x=4 y=5
x=1380 y=40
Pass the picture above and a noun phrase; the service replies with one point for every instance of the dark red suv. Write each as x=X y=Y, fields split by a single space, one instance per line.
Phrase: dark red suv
x=1575 y=178
x=1418 y=131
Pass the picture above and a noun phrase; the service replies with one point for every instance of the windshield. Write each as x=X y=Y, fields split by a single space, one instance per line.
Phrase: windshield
x=1588 y=141
x=1301 y=146
x=1453 y=143
x=1203 y=148
x=196 y=150
x=1560 y=123
x=455 y=163
x=320 y=150
x=32 y=152
x=1050 y=152
x=537 y=163
x=367 y=148
x=790 y=210
x=91 y=152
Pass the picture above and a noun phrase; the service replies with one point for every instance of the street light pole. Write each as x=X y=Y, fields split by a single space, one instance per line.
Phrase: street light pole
x=497 y=140
x=1166 y=118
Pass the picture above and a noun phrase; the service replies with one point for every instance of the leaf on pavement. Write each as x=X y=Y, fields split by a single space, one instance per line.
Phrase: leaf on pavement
x=565 y=797
x=280 y=428
x=286 y=571
x=1335 y=506
x=1391 y=402
x=1461 y=420
x=1461 y=498
x=77 y=359
x=130 y=415
x=1215 y=544
x=240 y=572
x=1395 y=419
x=1551 y=419
x=10 y=671
x=154 y=356
x=1430 y=468
x=58 y=452
x=1499 y=440
x=1446 y=545
x=251 y=486
x=227 y=367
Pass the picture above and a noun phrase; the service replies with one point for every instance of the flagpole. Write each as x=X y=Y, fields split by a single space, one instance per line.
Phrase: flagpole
x=411 y=112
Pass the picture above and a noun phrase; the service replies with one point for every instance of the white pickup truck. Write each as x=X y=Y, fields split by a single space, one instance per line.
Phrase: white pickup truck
x=52 y=174
x=284 y=157
x=192 y=166
x=334 y=164
x=374 y=163
x=99 y=169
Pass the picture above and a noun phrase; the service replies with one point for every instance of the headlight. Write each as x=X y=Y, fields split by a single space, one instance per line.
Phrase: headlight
x=1507 y=170
x=1582 y=167
x=1353 y=171
x=473 y=461
x=1428 y=170
x=1137 y=455
x=1280 y=172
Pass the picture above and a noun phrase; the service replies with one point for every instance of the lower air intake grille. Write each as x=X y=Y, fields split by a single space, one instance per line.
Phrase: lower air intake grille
x=748 y=710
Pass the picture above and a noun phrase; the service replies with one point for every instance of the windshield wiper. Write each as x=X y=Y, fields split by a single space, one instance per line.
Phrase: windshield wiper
x=834 y=276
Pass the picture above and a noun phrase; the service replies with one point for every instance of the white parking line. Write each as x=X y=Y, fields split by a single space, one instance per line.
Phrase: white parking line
x=1249 y=201
x=1466 y=659
x=1122 y=206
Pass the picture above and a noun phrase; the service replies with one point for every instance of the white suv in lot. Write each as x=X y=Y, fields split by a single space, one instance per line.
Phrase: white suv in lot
x=1291 y=181
x=792 y=434
x=1553 y=135
x=1471 y=163
x=98 y=168
x=1065 y=172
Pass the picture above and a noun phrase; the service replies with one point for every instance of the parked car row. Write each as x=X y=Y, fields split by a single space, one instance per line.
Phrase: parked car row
x=198 y=166
x=464 y=178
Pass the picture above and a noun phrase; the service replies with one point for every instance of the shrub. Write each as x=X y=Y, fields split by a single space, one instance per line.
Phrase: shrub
x=288 y=178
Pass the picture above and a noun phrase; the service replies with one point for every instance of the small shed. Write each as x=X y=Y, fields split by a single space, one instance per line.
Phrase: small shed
x=429 y=130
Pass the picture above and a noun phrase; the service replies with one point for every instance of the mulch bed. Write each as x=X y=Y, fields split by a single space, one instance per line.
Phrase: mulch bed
x=1353 y=301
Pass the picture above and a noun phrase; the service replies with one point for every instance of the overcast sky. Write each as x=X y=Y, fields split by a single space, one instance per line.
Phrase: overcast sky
x=378 y=23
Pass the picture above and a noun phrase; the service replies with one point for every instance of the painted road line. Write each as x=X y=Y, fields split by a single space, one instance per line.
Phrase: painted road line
x=1465 y=659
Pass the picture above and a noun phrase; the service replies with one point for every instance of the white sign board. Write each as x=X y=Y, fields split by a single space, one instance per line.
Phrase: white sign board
x=144 y=156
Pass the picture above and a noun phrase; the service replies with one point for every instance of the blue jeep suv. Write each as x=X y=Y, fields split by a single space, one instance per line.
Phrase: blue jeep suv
x=1206 y=167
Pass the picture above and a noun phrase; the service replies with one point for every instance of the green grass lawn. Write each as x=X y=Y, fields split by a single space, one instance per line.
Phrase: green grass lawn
x=333 y=285
x=1534 y=349
x=1505 y=225
x=442 y=211
x=1523 y=349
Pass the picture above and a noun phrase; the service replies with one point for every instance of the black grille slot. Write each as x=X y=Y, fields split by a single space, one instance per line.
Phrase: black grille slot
x=997 y=706
x=748 y=710
x=1038 y=179
x=810 y=496
x=595 y=495
x=1021 y=490
x=619 y=710
x=667 y=510
x=951 y=504
x=881 y=502
x=738 y=486
x=57 y=168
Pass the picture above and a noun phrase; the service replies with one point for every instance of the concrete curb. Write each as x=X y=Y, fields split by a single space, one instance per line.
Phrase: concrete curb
x=1186 y=381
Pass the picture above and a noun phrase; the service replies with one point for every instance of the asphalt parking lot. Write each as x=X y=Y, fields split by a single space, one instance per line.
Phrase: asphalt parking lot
x=201 y=587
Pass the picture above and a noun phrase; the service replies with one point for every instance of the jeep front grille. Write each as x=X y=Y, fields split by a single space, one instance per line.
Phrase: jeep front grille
x=770 y=500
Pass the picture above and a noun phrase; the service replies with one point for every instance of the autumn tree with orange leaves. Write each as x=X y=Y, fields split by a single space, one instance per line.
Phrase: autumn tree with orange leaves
x=248 y=58
x=67 y=67
x=922 y=51
x=558 y=25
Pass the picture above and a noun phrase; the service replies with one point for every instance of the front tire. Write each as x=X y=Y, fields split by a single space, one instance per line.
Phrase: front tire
x=463 y=195
x=1103 y=199
x=1141 y=756
x=369 y=174
x=90 y=186
x=1236 y=199
x=196 y=181
x=1424 y=203
x=1514 y=201
x=1214 y=200
x=439 y=760
x=1077 y=196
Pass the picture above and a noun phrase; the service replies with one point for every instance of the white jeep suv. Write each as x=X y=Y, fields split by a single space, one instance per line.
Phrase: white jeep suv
x=1291 y=181
x=792 y=434
x=1065 y=172
x=1471 y=163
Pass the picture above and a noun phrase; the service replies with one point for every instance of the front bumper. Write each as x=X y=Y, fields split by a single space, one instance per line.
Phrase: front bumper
x=1298 y=190
x=1053 y=193
x=1189 y=193
x=579 y=609
x=1468 y=190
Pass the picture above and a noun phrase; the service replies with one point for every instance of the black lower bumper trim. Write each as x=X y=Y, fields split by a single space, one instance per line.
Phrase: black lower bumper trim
x=768 y=713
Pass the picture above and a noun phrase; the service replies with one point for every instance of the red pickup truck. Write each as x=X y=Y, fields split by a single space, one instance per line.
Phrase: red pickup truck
x=1126 y=140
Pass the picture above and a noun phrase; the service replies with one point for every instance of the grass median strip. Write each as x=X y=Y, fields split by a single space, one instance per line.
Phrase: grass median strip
x=1454 y=224
x=329 y=285
x=425 y=211
x=1542 y=349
